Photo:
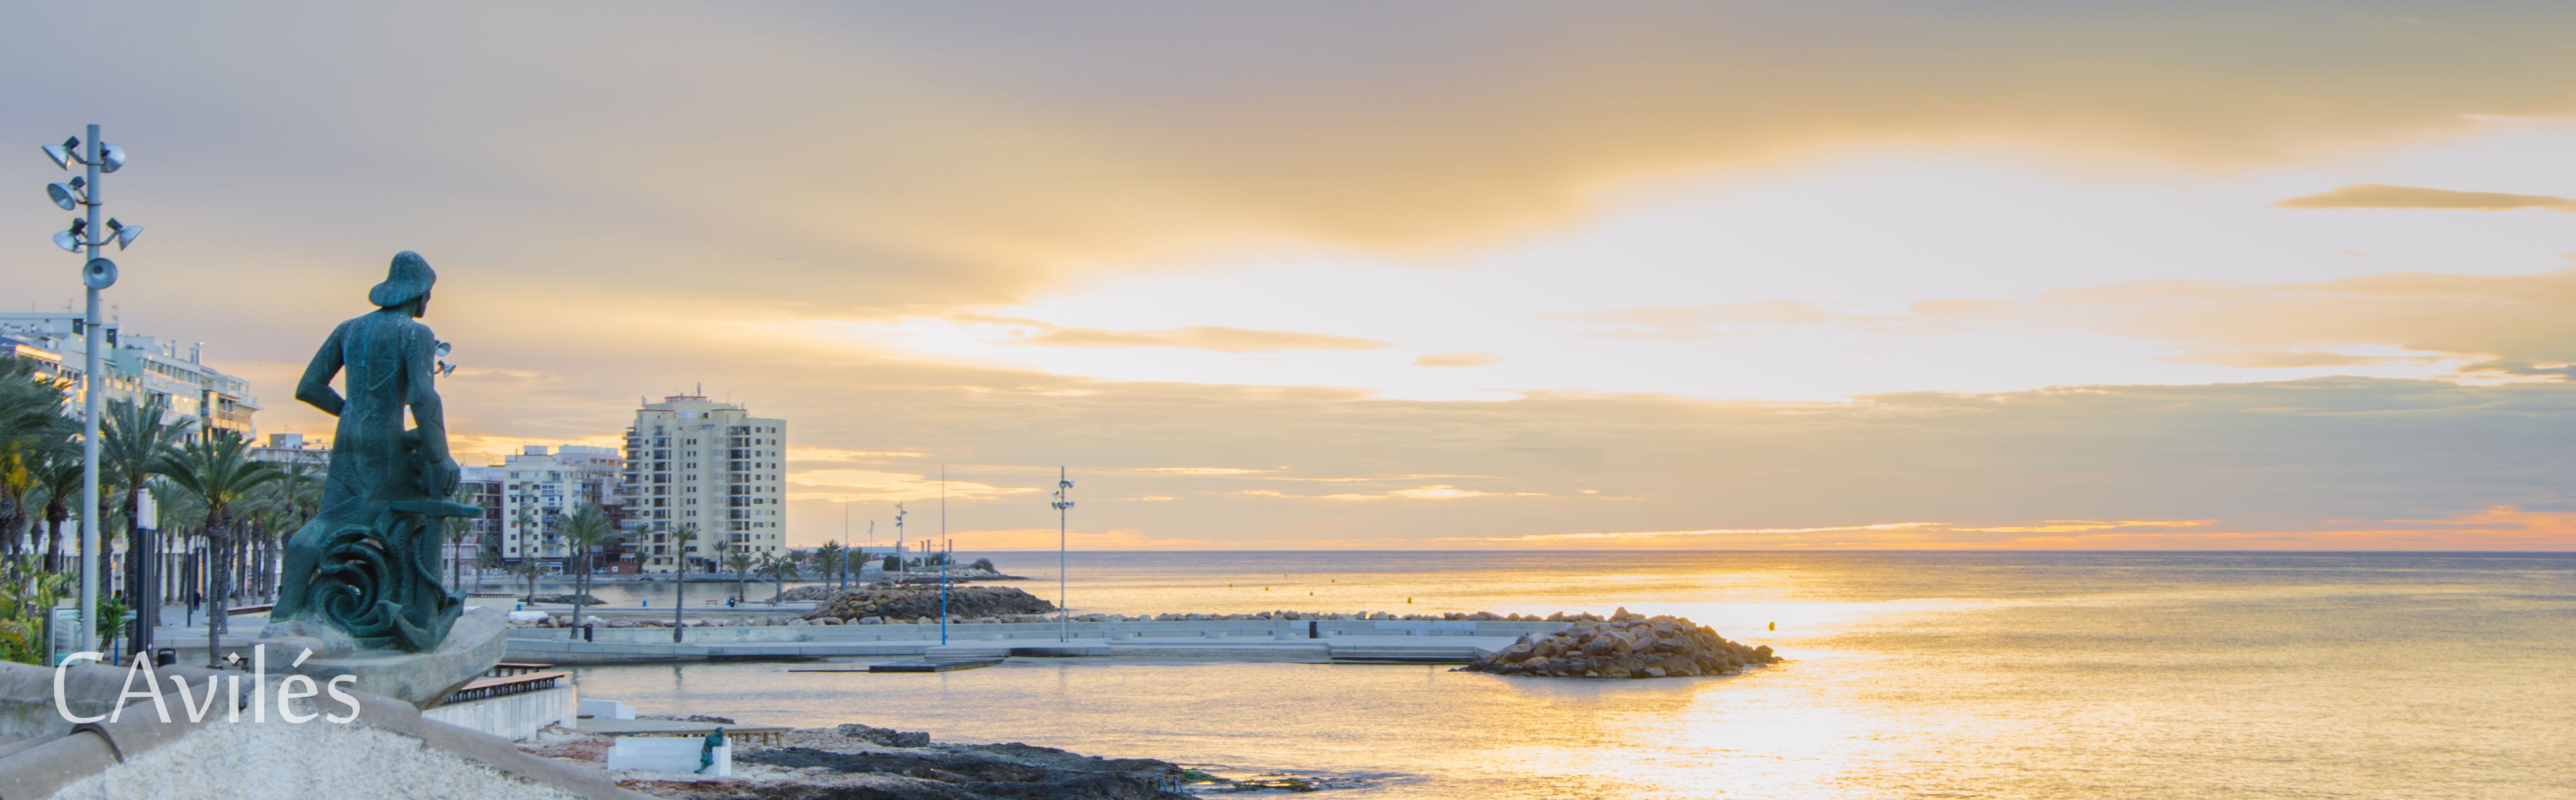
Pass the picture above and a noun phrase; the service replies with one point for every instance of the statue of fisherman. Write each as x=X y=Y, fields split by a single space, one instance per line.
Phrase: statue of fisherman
x=367 y=564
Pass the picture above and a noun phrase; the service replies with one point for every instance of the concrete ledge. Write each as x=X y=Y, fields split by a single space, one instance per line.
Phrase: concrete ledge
x=42 y=770
x=514 y=717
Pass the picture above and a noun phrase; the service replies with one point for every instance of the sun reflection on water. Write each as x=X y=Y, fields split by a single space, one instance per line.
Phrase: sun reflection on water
x=2129 y=676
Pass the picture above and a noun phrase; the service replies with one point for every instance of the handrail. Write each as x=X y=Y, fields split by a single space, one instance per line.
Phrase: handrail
x=487 y=688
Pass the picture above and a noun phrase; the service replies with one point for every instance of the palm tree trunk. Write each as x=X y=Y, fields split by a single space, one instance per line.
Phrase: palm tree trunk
x=215 y=583
x=53 y=543
x=579 y=589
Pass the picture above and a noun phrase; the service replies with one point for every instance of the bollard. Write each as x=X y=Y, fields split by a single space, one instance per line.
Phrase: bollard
x=1314 y=630
x=165 y=657
x=585 y=632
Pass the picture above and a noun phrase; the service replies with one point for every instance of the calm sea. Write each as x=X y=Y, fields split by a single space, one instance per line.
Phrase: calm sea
x=1984 y=675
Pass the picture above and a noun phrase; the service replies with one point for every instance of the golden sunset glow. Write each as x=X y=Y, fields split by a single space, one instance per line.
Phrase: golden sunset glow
x=1542 y=276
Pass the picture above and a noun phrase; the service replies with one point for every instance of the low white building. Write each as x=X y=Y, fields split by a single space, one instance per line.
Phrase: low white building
x=134 y=368
x=541 y=486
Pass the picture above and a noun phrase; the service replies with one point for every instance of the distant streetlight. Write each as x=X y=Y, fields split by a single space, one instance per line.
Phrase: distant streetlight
x=1063 y=617
x=943 y=555
x=97 y=273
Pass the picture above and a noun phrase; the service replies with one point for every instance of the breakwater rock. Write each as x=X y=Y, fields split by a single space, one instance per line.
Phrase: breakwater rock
x=568 y=599
x=923 y=603
x=1625 y=646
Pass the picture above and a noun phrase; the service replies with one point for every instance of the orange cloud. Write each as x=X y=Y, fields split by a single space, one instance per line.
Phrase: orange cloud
x=1202 y=337
x=2072 y=525
x=2379 y=195
x=1462 y=358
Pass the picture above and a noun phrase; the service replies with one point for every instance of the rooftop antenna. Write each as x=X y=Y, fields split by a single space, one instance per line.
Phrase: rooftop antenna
x=900 y=569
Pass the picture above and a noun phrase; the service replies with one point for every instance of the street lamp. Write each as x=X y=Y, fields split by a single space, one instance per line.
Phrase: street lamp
x=97 y=273
x=1061 y=504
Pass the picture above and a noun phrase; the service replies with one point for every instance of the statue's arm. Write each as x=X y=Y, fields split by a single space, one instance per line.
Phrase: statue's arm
x=315 y=389
x=420 y=371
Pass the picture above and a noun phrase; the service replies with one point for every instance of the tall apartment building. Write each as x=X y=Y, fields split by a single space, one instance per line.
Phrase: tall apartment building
x=539 y=489
x=713 y=465
x=135 y=368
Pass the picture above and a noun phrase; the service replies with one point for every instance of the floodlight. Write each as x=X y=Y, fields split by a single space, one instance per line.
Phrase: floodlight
x=110 y=157
x=66 y=241
x=443 y=349
x=62 y=195
x=123 y=234
x=64 y=154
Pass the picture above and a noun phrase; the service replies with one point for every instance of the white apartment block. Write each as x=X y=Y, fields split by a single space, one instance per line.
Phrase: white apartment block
x=713 y=465
x=540 y=488
x=140 y=369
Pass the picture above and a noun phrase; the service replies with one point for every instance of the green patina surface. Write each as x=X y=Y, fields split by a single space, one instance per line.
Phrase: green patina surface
x=367 y=564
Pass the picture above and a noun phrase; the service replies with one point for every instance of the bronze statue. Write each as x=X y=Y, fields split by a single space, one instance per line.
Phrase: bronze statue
x=367 y=564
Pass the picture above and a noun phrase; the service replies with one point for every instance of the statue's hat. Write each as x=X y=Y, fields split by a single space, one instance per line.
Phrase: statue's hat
x=409 y=278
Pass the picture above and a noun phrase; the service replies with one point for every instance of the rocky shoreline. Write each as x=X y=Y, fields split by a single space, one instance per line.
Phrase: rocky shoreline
x=863 y=761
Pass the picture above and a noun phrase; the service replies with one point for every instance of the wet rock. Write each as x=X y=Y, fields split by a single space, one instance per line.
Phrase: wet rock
x=909 y=602
x=888 y=737
x=1626 y=646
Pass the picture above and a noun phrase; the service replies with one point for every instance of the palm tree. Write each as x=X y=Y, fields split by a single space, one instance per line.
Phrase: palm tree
x=487 y=554
x=828 y=560
x=680 y=539
x=740 y=563
x=779 y=570
x=586 y=530
x=296 y=497
x=58 y=477
x=32 y=426
x=218 y=472
x=529 y=569
x=134 y=445
x=181 y=516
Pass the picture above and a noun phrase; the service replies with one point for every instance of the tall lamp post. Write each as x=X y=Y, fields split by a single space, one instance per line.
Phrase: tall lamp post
x=1063 y=617
x=943 y=558
x=97 y=273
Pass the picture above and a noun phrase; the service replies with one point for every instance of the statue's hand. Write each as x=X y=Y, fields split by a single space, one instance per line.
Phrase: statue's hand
x=444 y=477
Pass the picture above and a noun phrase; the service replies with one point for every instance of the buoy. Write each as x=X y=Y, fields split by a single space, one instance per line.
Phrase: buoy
x=1408 y=601
x=1775 y=626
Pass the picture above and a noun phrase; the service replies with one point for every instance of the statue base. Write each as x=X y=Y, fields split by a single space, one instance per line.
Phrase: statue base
x=473 y=645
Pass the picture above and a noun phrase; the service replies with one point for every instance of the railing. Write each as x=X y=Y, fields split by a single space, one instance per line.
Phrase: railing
x=488 y=688
x=506 y=669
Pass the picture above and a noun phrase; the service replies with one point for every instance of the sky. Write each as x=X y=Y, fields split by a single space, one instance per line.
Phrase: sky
x=1410 y=275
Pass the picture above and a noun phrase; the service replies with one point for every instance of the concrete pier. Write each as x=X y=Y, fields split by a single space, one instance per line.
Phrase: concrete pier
x=1308 y=641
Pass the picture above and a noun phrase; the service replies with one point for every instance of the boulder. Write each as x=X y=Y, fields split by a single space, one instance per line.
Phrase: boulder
x=1626 y=646
x=910 y=602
